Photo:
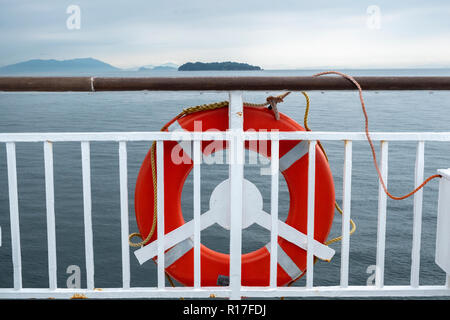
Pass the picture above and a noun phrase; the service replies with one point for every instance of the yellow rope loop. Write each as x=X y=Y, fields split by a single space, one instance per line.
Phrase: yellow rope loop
x=305 y=123
x=256 y=105
x=305 y=118
x=203 y=107
x=337 y=239
x=152 y=230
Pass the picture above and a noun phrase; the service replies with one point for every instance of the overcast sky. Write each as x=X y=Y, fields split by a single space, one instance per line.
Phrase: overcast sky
x=271 y=34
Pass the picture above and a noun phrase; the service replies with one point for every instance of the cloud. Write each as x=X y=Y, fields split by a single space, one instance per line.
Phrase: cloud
x=273 y=34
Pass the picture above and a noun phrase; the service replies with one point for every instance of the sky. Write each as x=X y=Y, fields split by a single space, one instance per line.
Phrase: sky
x=283 y=34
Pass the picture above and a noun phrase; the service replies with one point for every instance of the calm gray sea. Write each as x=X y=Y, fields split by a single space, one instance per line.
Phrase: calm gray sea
x=148 y=111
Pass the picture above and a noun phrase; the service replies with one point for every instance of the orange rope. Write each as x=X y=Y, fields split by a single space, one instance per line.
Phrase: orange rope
x=370 y=140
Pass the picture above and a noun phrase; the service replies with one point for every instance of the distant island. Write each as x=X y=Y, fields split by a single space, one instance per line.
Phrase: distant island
x=217 y=66
x=57 y=66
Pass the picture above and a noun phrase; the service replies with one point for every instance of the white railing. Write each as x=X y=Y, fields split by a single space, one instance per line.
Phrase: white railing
x=236 y=138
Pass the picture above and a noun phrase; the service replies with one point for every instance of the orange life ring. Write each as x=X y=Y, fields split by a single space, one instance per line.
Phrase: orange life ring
x=256 y=264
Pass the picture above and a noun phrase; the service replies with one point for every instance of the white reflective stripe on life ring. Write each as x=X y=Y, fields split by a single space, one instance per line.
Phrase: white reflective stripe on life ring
x=177 y=251
x=186 y=145
x=175 y=126
x=286 y=263
x=293 y=155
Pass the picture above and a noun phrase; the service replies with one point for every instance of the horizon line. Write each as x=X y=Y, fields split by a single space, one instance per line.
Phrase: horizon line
x=342 y=67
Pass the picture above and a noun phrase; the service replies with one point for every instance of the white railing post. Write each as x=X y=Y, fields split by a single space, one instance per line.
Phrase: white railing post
x=197 y=208
x=417 y=222
x=236 y=175
x=274 y=155
x=160 y=211
x=442 y=253
x=310 y=213
x=87 y=204
x=14 y=213
x=123 y=172
x=381 y=229
x=50 y=204
x=346 y=204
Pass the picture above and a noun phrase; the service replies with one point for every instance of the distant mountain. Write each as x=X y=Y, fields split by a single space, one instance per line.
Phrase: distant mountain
x=163 y=67
x=158 y=68
x=147 y=67
x=84 y=65
x=217 y=66
x=170 y=65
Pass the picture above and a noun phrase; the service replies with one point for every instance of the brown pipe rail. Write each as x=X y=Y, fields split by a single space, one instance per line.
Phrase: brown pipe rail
x=91 y=84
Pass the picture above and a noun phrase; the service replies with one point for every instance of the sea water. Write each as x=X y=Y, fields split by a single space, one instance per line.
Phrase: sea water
x=147 y=111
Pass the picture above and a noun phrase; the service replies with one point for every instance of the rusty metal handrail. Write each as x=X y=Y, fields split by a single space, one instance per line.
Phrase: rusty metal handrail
x=90 y=84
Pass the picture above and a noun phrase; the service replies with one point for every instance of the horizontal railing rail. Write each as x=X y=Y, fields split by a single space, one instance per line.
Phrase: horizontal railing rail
x=157 y=135
x=91 y=84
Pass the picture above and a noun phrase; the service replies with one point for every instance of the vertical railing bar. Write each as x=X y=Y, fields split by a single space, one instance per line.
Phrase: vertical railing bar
x=346 y=206
x=417 y=220
x=123 y=171
x=236 y=173
x=310 y=213
x=14 y=213
x=381 y=228
x=87 y=204
x=160 y=211
x=274 y=213
x=50 y=205
x=447 y=281
x=197 y=207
